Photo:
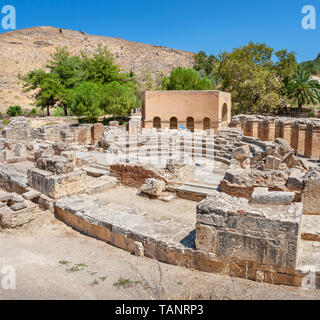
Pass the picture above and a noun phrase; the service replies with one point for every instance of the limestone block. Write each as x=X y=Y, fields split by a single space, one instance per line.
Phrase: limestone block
x=153 y=187
x=139 y=249
x=231 y=228
x=18 y=206
x=31 y=195
x=241 y=153
x=20 y=150
x=96 y=133
x=13 y=219
x=311 y=192
x=57 y=186
x=295 y=180
x=272 y=198
x=56 y=164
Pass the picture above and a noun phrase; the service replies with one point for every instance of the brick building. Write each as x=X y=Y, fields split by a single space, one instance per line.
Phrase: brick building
x=194 y=110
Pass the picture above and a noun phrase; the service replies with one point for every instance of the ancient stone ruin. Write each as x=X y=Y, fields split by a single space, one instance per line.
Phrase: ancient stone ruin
x=256 y=195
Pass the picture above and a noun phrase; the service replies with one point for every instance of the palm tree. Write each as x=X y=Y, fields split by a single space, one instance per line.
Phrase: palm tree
x=303 y=90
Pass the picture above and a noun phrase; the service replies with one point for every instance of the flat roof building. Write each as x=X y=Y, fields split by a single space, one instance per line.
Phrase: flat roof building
x=193 y=110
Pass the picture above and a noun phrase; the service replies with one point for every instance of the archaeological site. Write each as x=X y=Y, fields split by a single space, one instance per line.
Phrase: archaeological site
x=234 y=196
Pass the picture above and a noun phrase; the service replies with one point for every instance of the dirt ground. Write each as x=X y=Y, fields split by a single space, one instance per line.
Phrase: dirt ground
x=179 y=210
x=52 y=261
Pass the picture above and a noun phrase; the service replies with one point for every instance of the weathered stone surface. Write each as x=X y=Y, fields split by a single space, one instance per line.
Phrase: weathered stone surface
x=139 y=249
x=10 y=219
x=18 y=129
x=60 y=147
x=241 y=183
x=133 y=175
x=241 y=153
x=5 y=196
x=13 y=180
x=295 y=180
x=94 y=172
x=249 y=232
x=57 y=186
x=311 y=192
x=20 y=150
x=272 y=198
x=96 y=133
x=31 y=195
x=18 y=206
x=101 y=184
x=153 y=187
x=56 y=164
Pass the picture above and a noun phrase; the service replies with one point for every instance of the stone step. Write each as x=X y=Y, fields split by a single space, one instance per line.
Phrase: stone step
x=310 y=228
x=101 y=184
x=100 y=166
x=95 y=172
x=223 y=160
x=195 y=190
x=309 y=259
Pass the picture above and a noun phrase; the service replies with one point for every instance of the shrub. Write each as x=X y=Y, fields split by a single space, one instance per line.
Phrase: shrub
x=33 y=112
x=58 y=112
x=14 y=111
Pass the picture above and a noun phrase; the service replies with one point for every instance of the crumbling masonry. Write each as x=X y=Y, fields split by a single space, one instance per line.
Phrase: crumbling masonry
x=257 y=215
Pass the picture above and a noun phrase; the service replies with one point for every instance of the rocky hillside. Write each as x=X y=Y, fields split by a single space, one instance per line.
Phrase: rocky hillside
x=27 y=49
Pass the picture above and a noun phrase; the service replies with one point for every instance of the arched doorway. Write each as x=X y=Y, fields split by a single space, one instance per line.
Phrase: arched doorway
x=173 y=123
x=206 y=124
x=157 y=123
x=190 y=124
x=225 y=113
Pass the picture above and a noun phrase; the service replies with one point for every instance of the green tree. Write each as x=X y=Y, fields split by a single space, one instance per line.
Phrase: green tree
x=48 y=88
x=256 y=80
x=303 y=90
x=87 y=100
x=207 y=67
x=100 y=68
x=185 y=79
x=118 y=99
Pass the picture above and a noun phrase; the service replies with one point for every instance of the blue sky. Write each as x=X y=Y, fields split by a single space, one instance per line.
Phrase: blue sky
x=194 y=25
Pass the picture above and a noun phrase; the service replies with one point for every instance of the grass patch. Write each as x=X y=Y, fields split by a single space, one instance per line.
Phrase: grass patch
x=95 y=282
x=103 y=279
x=180 y=283
x=64 y=262
x=125 y=283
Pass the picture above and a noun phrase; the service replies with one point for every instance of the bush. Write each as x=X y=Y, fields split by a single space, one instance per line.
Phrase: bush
x=14 y=111
x=33 y=112
x=58 y=112
x=1 y=116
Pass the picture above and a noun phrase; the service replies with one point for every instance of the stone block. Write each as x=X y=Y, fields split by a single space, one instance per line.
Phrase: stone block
x=20 y=150
x=10 y=219
x=57 y=186
x=153 y=187
x=311 y=192
x=231 y=228
x=272 y=198
x=56 y=164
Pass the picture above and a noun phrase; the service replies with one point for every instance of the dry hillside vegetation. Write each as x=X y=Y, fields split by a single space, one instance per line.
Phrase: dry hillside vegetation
x=28 y=49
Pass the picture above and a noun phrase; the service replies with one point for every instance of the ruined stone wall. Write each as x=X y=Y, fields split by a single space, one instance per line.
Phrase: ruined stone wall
x=302 y=134
x=131 y=175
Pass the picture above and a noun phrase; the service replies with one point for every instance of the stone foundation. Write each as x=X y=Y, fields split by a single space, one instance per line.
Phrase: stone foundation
x=57 y=186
